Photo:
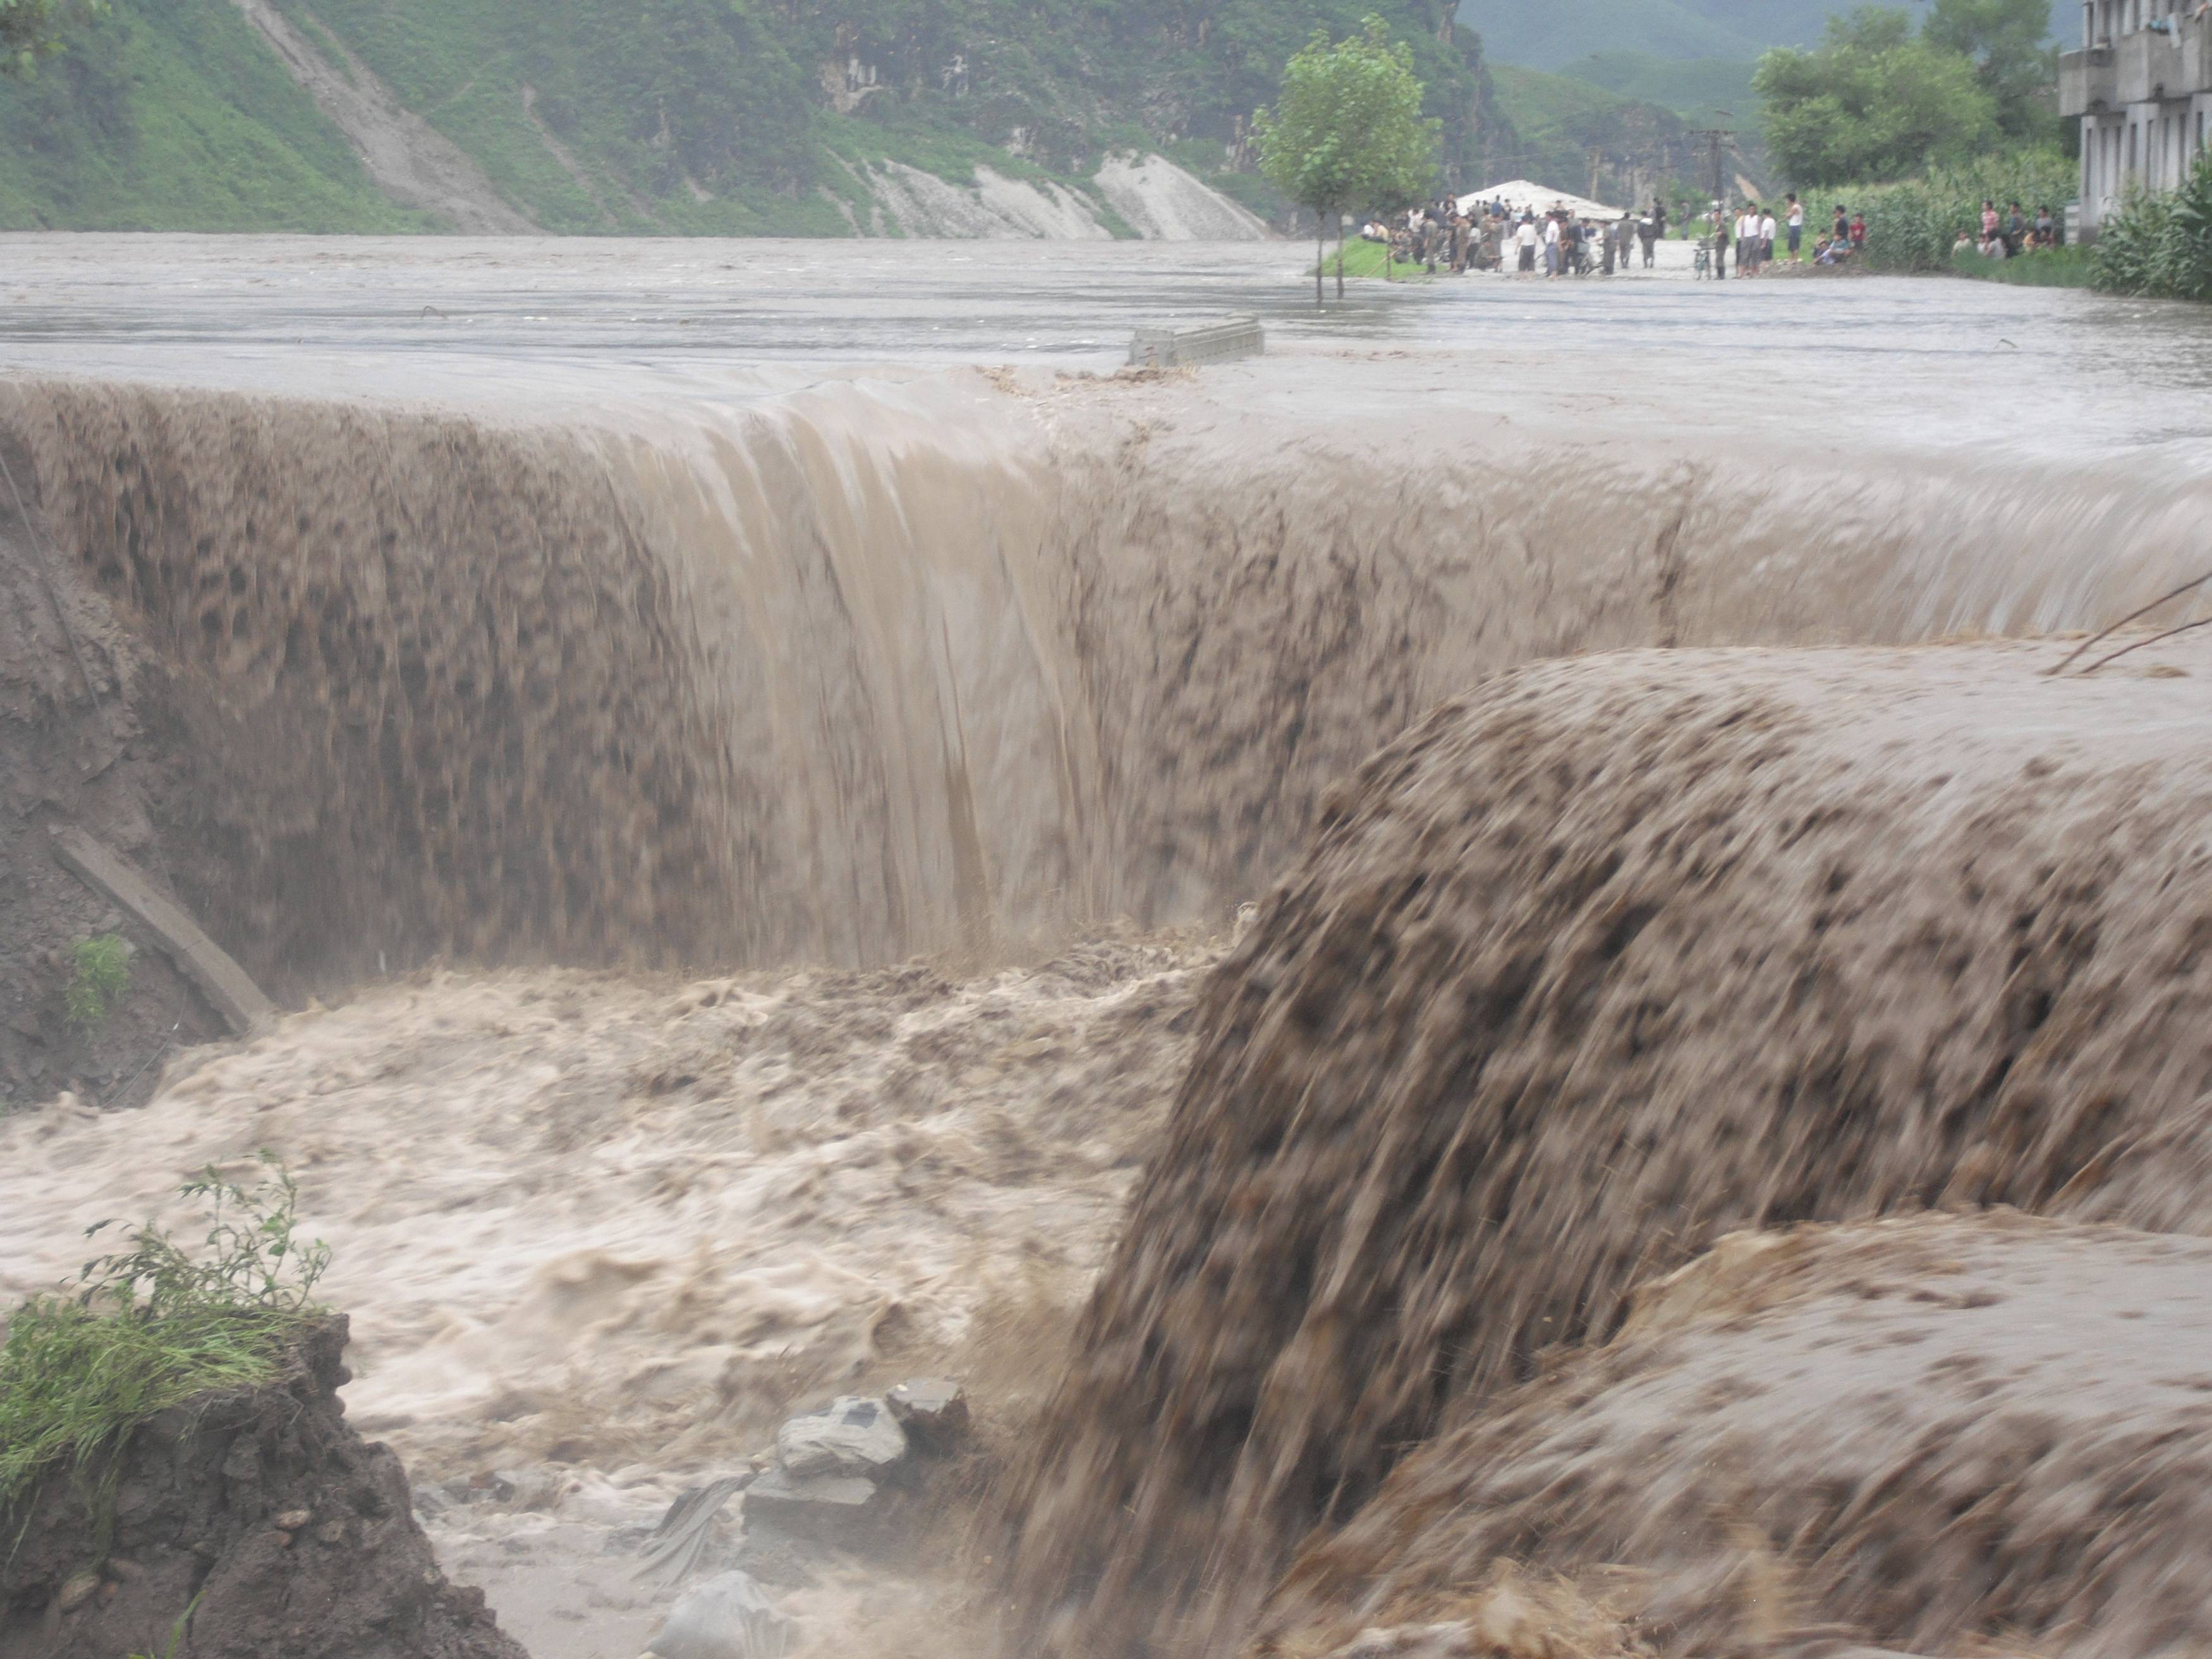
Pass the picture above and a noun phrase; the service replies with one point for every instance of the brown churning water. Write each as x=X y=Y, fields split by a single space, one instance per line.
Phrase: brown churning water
x=1578 y=975
x=880 y=668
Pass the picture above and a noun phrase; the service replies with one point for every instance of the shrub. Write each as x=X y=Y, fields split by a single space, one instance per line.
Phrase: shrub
x=150 y=1327
x=2159 y=244
x=99 y=976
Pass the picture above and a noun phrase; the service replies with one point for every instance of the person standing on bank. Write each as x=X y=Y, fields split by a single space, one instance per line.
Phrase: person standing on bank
x=1796 y=229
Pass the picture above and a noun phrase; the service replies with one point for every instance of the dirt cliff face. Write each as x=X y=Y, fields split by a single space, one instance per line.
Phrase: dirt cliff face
x=284 y=1533
x=1615 y=956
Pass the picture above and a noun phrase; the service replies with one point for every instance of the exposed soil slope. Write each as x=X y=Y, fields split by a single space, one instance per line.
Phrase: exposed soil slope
x=1610 y=958
x=283 y=1533
x=75 y=751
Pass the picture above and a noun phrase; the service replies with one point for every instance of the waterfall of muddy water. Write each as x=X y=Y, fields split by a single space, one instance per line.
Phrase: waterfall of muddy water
x=511 y=614
x=1583 y=972
x=877 y=667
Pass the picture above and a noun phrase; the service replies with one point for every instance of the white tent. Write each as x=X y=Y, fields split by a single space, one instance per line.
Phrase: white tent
x=1520 y=196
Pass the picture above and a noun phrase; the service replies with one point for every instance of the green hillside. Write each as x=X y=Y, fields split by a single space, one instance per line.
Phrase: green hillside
x=1556 y=33
x=171 y=115
x=732 y=116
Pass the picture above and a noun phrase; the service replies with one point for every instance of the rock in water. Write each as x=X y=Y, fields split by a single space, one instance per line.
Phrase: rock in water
x=728 y=1616
x=832 y=1508
x=852 y=1435
x=932 y=1411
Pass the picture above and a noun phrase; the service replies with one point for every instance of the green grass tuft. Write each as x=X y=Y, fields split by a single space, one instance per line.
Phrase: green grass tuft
x=99 y=976
x=150 y=1327
x=2057 y=267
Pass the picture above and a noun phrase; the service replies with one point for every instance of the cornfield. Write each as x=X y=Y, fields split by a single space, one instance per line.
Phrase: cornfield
x=2159 y=244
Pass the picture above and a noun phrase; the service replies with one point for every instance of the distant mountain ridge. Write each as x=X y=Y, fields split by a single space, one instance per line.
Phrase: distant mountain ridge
x=1556 y=32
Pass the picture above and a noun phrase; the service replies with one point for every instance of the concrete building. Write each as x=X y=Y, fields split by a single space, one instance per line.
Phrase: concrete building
x=2142 y=85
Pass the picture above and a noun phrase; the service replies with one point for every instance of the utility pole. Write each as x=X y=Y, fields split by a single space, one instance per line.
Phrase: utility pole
x=1713 y=137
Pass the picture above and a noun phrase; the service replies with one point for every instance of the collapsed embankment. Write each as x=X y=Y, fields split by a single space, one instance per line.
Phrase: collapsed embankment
x=878 y=667
x=248 y=1524
x=1582 y=973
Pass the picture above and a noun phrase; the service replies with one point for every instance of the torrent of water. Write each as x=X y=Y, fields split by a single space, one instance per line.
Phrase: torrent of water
x=776 y=679
x=875 y=668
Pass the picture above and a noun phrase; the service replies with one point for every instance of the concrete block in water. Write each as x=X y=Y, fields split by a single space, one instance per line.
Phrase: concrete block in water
x=225 y=985
x=728 y=1616
x=1209 y=342
x=830 y=1509
x=851 y=1435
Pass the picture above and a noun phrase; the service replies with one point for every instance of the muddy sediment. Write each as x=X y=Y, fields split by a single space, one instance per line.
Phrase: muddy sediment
x=1608 y=960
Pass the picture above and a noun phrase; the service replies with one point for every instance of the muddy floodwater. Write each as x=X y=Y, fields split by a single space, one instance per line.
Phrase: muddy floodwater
x=1308 y=929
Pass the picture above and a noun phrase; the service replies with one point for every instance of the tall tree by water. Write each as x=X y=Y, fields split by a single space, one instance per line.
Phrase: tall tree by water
x=1874 y=100
x=1347 y=132
x=2017 y=66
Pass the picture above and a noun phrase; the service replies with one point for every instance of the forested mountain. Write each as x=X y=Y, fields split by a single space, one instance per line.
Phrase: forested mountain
x=1553 y=33
x=704 y=116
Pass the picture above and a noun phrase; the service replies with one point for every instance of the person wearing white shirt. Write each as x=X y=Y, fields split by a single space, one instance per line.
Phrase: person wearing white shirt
x=1767 y=229
x=1551 y=246
x=1796 y=229
x=1525 y=239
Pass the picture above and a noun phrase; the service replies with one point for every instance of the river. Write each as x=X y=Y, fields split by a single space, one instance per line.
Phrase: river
x=605 y=661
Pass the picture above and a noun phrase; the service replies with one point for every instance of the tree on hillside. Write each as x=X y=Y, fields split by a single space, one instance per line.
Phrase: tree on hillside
x=2016 y=65
x=1347 y=132
x=32 y=29
x=1872 y=100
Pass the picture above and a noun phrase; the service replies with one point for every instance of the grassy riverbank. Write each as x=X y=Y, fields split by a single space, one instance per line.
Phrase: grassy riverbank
x=2058 y=267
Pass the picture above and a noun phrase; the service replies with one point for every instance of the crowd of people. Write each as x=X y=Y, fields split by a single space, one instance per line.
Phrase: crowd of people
x=1751 y=232
x=2008 y=235
x=1447 y=235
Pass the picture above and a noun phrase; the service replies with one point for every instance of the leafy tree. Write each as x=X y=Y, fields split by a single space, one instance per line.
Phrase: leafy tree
x=32 y=29
x=1347 y=132
x=2016 y=65
x=1873 y=101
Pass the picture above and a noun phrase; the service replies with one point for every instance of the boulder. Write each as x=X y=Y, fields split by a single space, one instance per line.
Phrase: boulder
x=932 y=1411
x=728 y=1616
x=830 y=1509
x=852 y=1435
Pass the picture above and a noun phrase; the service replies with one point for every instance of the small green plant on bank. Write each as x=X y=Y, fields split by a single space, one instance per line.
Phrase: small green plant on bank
x=176 y=1632
x=99 y=974
x=2159 y=244
x=150 y=1325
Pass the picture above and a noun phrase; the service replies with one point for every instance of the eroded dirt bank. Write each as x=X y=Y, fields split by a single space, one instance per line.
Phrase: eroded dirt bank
x=1611 y=957
x=245 y=1524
